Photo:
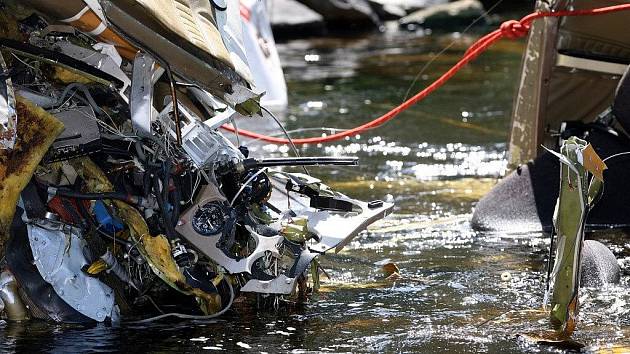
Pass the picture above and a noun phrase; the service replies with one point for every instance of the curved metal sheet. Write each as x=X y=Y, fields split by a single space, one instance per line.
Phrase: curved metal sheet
x=186 y=59
x=59 y=254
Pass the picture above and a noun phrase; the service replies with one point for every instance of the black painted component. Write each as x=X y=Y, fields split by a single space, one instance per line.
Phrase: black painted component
x=621 y=104
x=375 y=204
x=259 y=189
x=81 y=135
x=258 y=272
x=252 y=163
x=210 y=218
x=244 y=150
x=32 y=202
x=303 y=258
x=330 y=203
x=201 y=278
x=56 y=57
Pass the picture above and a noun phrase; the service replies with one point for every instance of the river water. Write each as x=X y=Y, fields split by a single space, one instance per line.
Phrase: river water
x=461 y=290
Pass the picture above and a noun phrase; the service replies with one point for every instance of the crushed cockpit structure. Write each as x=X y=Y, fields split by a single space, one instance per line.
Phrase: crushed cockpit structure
x=119 y=196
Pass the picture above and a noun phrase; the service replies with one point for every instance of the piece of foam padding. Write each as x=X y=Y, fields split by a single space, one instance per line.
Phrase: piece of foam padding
x=36 y=131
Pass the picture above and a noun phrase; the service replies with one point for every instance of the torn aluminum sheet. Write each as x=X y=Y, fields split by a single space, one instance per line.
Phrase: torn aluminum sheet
x=8 y=114
x=283 y=284
x=279 y=285
x=187 y=61
x=244 y=101
x=94 y=58
x=576 y=197
x=334 y=229
x=222 y=112
x=59 y=254
x=208 y=244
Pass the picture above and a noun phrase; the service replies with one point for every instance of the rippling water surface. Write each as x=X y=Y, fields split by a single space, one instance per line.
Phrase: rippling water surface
x=461 y=291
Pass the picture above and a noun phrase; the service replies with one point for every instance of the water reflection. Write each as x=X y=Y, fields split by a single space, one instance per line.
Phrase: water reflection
x=435 y=161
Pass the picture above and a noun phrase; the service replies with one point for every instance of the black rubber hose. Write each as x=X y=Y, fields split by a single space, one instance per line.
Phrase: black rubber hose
x=80 y=87
x=166 y=170
x=146 y=182
x=175 y=199
x=170 y=231
x=167 y=195
x=140 y=152
x=88 y=196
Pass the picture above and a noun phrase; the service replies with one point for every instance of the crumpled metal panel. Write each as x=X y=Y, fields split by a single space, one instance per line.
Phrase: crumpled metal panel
x=333 y=229
x=280 y=285
x=179 y=17
x=213 y=26
x=94 y=58
x=59 y=254
x=228 y=22
x=188 y=61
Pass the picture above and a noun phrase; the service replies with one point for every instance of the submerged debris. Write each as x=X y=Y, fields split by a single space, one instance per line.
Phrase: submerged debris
x=120 y=196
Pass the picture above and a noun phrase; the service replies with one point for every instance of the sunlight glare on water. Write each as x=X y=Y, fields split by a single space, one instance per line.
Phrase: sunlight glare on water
x=435 y=161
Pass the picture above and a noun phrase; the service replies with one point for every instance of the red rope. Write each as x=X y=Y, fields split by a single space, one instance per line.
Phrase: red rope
x=510 y=29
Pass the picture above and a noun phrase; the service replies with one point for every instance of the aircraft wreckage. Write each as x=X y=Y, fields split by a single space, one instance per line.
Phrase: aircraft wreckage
x=119 y=195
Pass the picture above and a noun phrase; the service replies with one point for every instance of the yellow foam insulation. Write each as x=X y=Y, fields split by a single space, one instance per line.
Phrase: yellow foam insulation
x=155 y=249
x=66 y=76
x=11 y=12
x=36 y=131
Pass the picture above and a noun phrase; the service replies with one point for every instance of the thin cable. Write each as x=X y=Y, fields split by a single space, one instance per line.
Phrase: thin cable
x=616 y=155
x=284 y=131
x=286 y=134
x=300 y=130
x=194 y=188
x=249 y=180
x=601 y=193
x=191 y=317
x=438 y=55
x=171 y=79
